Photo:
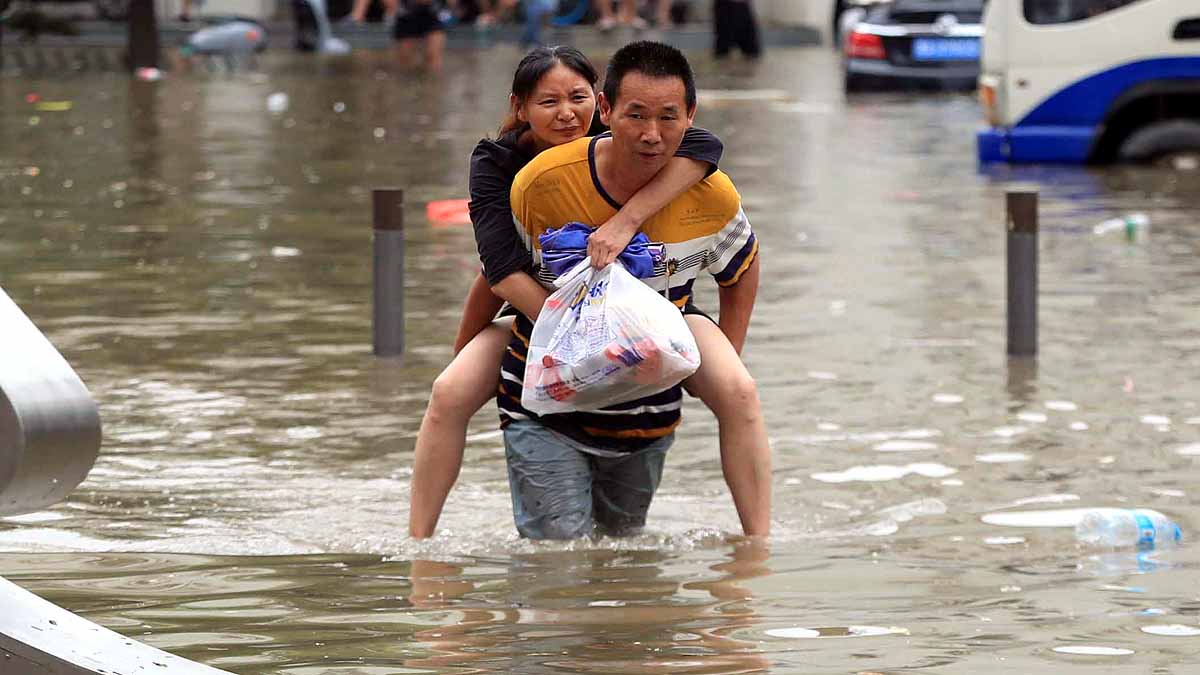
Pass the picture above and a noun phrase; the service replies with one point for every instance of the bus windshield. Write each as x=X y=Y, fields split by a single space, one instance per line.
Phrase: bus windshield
x=1044 y=12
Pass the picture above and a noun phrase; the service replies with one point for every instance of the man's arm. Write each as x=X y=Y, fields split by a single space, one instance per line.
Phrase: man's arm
x=679 y=175
x=737 y=303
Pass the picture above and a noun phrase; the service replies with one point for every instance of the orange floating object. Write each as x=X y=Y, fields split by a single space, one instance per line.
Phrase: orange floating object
x=448 y=212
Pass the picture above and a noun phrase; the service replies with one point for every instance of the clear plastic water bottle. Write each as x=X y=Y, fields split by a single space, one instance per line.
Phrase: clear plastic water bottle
x=1142 y=529
x=1135 y=226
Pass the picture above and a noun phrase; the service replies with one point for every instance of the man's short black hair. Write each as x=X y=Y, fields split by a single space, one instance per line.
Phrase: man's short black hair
x=652 y=59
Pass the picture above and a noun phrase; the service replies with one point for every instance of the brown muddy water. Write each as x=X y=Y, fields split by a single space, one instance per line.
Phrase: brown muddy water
x=204 y=264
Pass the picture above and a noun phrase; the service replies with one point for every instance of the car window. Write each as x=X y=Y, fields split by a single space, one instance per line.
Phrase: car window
x=1067 y=11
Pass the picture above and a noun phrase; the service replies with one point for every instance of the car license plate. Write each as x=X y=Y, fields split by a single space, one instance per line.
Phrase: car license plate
x=946 y=49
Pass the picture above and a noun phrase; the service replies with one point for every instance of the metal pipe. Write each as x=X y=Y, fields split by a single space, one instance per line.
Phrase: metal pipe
x=40 y=638
x=49 y=424
x=1022 y=206
x=388 y=272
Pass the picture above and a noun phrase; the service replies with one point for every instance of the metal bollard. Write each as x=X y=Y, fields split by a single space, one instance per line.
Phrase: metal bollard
x=388 y=276
x=1022 y=207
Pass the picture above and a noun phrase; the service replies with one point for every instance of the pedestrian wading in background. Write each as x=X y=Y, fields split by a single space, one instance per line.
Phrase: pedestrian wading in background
x=734 y=25
x=415 y=21
x=552 y=102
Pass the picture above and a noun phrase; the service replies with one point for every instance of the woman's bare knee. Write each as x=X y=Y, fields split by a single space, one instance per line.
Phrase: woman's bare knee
x=736 y=394
x=451 y=399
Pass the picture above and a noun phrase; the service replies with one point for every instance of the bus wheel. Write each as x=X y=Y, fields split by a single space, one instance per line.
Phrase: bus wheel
x=1170 y=143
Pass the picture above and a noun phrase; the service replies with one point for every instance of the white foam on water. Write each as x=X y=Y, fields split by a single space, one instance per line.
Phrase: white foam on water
x=947 y=399
x=1192 y=420
x=1055 y=518
x=902 y=513
x=1062 y=406
x=802 y=108
x=1156 y=420
x=828 y=426
x=829 y=632
x=822 y=375
x=1079 y=426
x=1033 y=417
x=304 y=433
x=1008 y=432
x=1092 y=650
x=1172 y=630
x=1167 y=492
x=905 y=446
x=38 y=517
x=606 y=603
x=485 y=435
x=1056 y=498
x=1002 y=457
x=804 y=633
x=1189 y=450
x=884 y=472
x=952 y=482
x=284 y=252
x=711 y=95
x=1003 y=541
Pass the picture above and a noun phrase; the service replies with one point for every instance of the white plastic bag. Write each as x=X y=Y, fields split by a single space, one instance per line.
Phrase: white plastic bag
x=604 y=338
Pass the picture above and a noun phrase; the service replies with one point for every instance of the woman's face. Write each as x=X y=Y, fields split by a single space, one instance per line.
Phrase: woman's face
x=560 y=108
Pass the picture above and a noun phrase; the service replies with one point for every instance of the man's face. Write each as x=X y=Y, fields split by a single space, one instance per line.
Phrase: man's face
x=647 y=120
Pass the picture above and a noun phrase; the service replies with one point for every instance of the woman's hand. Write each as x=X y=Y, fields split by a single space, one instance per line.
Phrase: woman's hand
x=609 y=240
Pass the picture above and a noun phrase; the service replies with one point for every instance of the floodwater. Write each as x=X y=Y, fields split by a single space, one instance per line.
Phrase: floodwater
x=205 y=266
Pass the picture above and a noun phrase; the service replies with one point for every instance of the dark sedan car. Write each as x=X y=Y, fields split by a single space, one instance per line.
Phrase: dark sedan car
x=921 y=41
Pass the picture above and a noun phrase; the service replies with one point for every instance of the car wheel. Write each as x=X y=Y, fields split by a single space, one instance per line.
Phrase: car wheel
x=112 y=10
x=1171 y=143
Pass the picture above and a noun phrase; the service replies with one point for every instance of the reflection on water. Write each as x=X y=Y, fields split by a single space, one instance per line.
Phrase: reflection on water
x=204 y=264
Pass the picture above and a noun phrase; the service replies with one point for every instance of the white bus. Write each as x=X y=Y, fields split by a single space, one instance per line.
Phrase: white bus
x=1075 y=81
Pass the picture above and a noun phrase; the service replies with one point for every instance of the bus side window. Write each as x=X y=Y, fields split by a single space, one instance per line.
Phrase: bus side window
x=1046 y=12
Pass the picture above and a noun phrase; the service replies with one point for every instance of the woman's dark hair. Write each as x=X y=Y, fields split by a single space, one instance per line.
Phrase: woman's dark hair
x=538 y=62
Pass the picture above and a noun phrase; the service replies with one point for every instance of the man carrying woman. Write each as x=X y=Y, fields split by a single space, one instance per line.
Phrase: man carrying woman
x=552 y=104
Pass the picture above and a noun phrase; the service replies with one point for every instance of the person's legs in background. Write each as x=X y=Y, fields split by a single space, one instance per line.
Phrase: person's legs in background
x=406 y=48
x=662 y=13
x=734 y=26
x=537 y=15
x=628 y=14
x=435 y=45
x=747 y=30
x=604 y=10
x=722 y=27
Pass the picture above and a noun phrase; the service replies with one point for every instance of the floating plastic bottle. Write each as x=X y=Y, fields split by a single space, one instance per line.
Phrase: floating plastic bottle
x=1142 y=529
x=1135 y=226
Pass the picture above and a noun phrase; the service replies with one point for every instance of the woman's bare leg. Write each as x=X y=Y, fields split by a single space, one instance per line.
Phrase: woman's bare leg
x=405 y=49
x=435 y=45
x=727 y=388
x=463 y=388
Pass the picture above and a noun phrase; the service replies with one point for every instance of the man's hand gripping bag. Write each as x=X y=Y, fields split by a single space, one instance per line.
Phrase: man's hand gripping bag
x=604 y=338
